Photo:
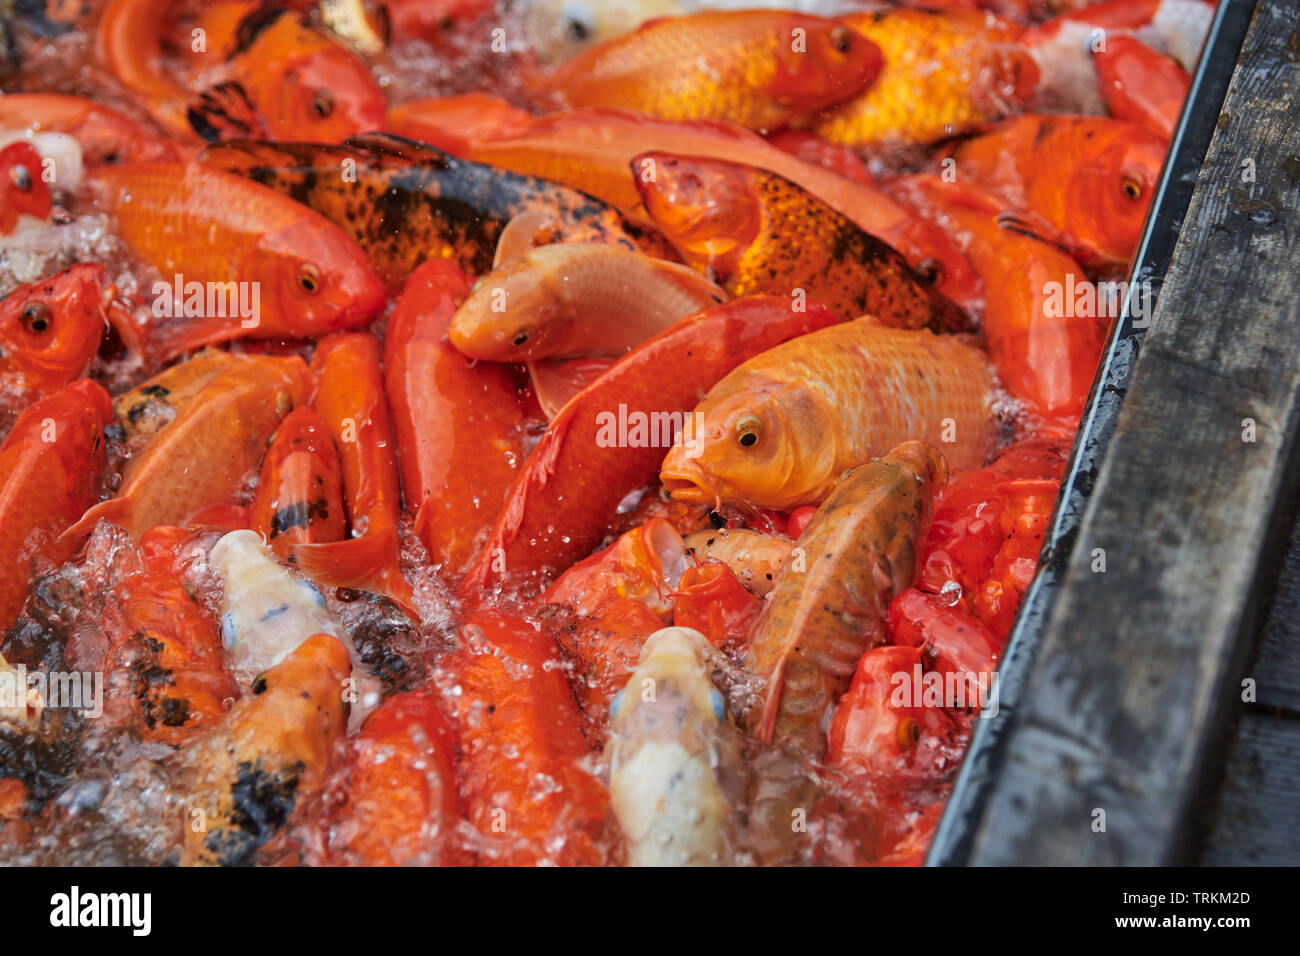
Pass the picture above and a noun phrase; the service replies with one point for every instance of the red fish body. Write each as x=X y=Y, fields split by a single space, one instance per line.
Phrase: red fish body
x=644 y=564
x=572 y=483
x=213 y=228
x=349 y=398
x=458 y=426
x=105 y=134
x=710 y=599
x=23 y=190
x=299 y=497
x=49 y=475
x=1142 y=86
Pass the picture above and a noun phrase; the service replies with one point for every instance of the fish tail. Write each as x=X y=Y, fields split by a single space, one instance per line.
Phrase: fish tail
x=369 y=563
x=116 y=510
x=190 y=336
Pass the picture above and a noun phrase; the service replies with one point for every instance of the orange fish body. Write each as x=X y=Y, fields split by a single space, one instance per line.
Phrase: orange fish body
x=573 y=481
x=168 y=646
x=458 y=426
x=755 y=558
x=758 y=233
x=643 y=564
x=208 y=452
x=403 y=804
x=944 y=72
x=712 y=600
x=863 y=546
x=349 y=398
x=758 y=69
x=453 y=122
x=106 y=135
x=129 y=43
x=871 y=732
x=142 y=411
x=1141 y=86
x=1088 y=177
x=274 y=747
x=780 y=429
x=23 y=190
x=49 y=331
x=299 y=497
x=289 y=80
x=1044 y=353
x=49 y=473
x=519 y=725
x=213 y=228
x=605 y=648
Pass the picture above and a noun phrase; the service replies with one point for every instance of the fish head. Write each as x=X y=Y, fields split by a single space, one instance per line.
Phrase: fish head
x=23 y=189
x=678 y=660
x=319 y=92
x=1112 y=189
x=49 y=329
x=819 y=62
x=708 y=209
x=753 y=441
x=513 y=314
x=313 y=278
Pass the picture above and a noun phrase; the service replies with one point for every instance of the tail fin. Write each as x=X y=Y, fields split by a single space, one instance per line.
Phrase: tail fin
x=369 y=563
x=116 y=510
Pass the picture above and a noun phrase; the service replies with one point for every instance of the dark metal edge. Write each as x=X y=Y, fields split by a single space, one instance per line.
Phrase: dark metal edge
x=1191 y=141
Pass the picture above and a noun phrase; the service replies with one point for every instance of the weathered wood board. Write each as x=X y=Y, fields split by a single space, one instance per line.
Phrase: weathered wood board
x=1112 y=736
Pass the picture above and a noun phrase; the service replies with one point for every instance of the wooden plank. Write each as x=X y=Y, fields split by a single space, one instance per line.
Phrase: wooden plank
x=1276 y=668
x=1258 y=816
x=1125 y=706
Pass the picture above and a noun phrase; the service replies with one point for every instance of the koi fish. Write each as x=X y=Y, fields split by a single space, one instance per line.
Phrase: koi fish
x=49 y=474
x=1142 y=86
x=129 y=44
x=573 y=481
x=435 y=21
x=299 y=498
x=288 y=79
x=518 y=726
x=591 y=150
x=167 y=646
x=154 y=403
x=570 y=300
x=451 y=123
x=1046 y=355
x=559 y=30
x=756 y=69
x=754 y=557
x=402 y=804
x=644 y=564
x=944 y=72
x=408 y=202
x=757 y=233
x=106 y=135
x=458 y=427
x=208 y=452
x=712 y=600
x=779 y=430
x=49 y=331
x=274 y=749
x=863 y=542
x=675 y=765
x=350 y=400
x=871 y=732
x=23 y=190
x=604 y=648
x=209 y=226
x=1089 y=178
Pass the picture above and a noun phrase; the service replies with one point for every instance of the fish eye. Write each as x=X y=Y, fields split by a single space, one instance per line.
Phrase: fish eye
x=21 y=177
x=719 y=705
x=576 y=30
x=930 y=271
x=1132 y=188
x=615 y=703
x=36 y=317
x=522 y=336
x=322 y=103
x=842 y=39
x=308 y=278
x=909 y=733
x=748 y=430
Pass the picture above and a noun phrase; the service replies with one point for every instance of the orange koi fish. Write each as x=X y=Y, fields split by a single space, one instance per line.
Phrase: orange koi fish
x=299 y=497
x=758 y=233
x=862 y=545
x=49 y=474
x=349 y=398
x=129 y=44
x=458 y=426
x=1089 y=178
x=755 y=558
x=451 y=123
x=105 y=134
x=154 y=403
x=712 y=600
x=944 y=72
x=519 y=725
x=758 y=69
x=1047 y=356
x=1142 y=86
x=208 y=452
x=779 y=430
x=644 y=564
x=572 y=483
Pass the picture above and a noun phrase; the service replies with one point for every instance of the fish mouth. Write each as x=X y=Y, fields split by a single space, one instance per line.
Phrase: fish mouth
x=688 y=485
